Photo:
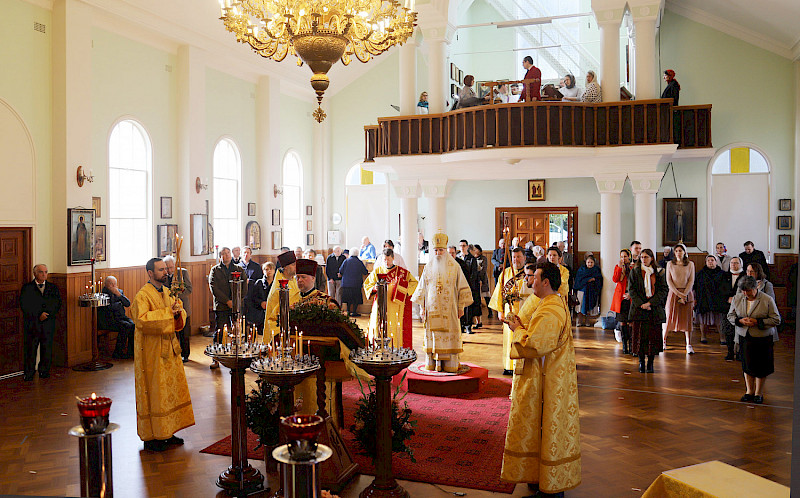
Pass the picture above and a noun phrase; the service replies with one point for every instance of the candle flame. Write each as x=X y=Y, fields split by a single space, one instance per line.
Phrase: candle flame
x=94 y=396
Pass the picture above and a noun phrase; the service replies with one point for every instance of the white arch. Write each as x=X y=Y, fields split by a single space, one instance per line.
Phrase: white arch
x=18 y=197
x=710 y=242
x=227 y=232
x=293 y=226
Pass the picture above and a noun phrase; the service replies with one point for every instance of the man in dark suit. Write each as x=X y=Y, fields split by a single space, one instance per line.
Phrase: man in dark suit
x=469 y=273
x=113 y=317
x=498 y=256
x=253 y=272
x=753 y=255
x=40 y=302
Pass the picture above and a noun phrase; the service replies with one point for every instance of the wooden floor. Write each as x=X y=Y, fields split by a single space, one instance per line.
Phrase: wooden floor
x=633 y=426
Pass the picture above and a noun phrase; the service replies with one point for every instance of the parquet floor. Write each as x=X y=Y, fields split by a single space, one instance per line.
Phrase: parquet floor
x=633 y=425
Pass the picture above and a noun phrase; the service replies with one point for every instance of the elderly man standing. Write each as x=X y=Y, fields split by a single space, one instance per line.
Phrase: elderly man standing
x=185 y=296
x=542 y=445
x=498 y=257
x=113 y=317
x=367 y=250
x=163 y=404
x=219 y=282
x=40 y=302
x=442 y=295
x=252 y=272
x=332 y=264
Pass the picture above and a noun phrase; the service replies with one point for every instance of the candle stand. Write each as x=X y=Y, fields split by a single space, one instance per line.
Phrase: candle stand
x=240 y=478
x=94 y=451
x=94 y=299
x=382 y=362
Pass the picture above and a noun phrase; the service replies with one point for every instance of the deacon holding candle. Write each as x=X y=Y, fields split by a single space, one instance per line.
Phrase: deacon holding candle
x=163 y=404
x=401 y=286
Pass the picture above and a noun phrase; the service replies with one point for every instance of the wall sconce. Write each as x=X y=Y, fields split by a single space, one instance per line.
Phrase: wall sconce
x=276 y=190
x=82 y=176
x=199 y=185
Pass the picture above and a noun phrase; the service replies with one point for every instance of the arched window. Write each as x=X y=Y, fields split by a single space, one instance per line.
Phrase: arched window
x=227 y=208
x=740 y=189
x=292 y=201
x=130 y=163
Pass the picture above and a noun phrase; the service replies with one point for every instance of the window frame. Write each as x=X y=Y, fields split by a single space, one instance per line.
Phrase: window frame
x=239 y=237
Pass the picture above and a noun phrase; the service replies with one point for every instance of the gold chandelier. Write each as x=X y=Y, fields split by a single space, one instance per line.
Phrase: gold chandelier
x=319 y=32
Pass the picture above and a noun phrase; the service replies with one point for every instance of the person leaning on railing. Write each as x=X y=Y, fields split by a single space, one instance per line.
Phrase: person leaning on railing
x=467 y=97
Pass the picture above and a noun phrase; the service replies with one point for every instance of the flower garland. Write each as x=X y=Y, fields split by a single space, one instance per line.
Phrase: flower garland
x=316 y=313
x=366 y=422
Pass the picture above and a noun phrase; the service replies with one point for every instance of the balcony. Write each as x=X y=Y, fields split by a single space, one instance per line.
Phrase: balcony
x=542 y=124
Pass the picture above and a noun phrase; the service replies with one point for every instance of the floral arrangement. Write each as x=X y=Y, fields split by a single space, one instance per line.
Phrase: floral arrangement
x=261 y=410
x=317 y=313
x=366 y=422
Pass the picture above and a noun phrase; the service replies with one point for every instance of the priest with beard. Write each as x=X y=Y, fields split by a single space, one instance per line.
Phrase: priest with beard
x=442 y=294
x=163 y=404
x=288 y=266
x=503 y=308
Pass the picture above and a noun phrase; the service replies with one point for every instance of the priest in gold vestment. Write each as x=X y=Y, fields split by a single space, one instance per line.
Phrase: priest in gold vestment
x=521 y=294
x=542 y=445
x=401 y=287
x=163 y=405
x=288 y=261
x=442 y=294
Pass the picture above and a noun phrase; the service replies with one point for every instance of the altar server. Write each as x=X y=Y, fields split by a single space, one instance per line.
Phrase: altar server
x=510 y=300
x=402 y=285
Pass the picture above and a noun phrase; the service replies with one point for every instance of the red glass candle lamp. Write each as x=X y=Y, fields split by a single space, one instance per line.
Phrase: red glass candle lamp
x=284 y=283
x=94 y=411
x=302 y=432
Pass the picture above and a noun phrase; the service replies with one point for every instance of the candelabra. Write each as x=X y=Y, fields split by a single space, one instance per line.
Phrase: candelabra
x=94 y=298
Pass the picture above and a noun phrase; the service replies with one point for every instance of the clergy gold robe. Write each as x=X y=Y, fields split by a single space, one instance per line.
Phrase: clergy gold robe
x=442 y=294
x=273 y=303
x=496 y=303
x=543 y=437
x=163 y=405
x=401 y=287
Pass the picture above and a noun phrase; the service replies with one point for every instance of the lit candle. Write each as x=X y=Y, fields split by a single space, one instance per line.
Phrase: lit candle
x=94 y=411
x=301 y=344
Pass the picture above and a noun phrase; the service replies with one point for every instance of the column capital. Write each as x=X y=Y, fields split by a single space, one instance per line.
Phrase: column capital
x=436 y=188
x=406 y=189
x=609 y=12
x=443 y=33
x=646 y=183
x=610 y=184
x=644 y=10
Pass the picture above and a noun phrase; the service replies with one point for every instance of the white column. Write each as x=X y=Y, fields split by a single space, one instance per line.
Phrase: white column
x=72 y=120
x=268 y=156
x=645 y=188
x=608 y=14
x=408 y=78
x=192 y=156
x=646 y=79
x=437 y=70
x=610 y=188
x=437 y=191
x=408 y=191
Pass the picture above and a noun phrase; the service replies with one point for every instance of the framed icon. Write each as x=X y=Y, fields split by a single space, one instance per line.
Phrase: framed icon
x=308 y=225
x=252 y=235
x=199 y=235
x=100 y=243
x=276 y=240
x=784 y=241
x=680 y=222
x=597 y=223
x=276 y=218
x=166 y=207
x=310 y=239
x=80 y=227
x=166 y=239
x=251 y=209
x=536 y=190
x=96 y=203
x=784 y=222
x=783 y=205
x=309 y=210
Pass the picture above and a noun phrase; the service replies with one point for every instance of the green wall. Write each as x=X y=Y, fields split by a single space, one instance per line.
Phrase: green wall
x=25 y=60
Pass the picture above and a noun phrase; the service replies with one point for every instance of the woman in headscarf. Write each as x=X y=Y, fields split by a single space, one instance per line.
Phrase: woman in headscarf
x=711 y=301
x=647 y=287
x=570 y=91
x=593 y=92
x=589 y=279
x=673 y=89
x=680 y=301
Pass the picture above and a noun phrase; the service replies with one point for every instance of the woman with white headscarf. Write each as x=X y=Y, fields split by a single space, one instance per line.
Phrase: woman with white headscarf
x=680 y=301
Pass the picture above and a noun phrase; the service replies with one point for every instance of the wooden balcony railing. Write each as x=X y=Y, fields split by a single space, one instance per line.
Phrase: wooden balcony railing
x=541 y=124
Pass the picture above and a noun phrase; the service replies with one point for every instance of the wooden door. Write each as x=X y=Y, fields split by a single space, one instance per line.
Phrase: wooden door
x=531 y=227
x=15 y=270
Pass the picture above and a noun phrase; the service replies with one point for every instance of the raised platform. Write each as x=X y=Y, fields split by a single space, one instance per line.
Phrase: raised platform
x=442 y=384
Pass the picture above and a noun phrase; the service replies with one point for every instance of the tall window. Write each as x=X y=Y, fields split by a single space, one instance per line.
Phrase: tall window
x=293 y=201
x=227 y=208
x=130 y=162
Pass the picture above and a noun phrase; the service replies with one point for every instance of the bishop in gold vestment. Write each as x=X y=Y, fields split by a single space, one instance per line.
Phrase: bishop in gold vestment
x=543 y=437
x=442 y=294
x=503 y=307
x=163 y=405
x=401 y=287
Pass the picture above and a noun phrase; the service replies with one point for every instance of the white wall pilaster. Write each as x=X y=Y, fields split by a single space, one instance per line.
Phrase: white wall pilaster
x=192 y=161
x=268 y=90
x=645 y=188
x=408 y=77
x=408 y=191
x=610 y=188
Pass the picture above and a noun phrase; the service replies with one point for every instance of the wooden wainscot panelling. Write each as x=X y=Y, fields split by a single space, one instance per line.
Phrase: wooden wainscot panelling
x=73 y=342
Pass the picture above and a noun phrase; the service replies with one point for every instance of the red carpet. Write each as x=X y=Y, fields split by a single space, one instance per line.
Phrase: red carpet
x=458 y=441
